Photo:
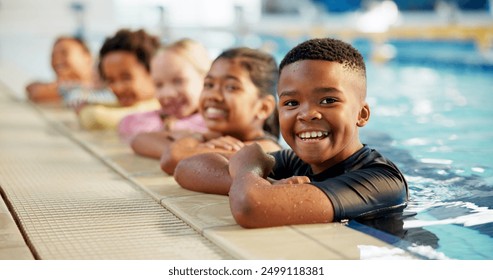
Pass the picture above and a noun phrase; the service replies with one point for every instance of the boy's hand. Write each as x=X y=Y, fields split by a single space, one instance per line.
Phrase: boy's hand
x=251 y=158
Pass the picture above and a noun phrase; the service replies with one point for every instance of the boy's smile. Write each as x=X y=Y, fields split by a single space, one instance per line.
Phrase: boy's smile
x=321 y=106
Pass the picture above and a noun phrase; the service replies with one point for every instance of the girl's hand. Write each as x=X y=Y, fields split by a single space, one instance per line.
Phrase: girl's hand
x=227 y=143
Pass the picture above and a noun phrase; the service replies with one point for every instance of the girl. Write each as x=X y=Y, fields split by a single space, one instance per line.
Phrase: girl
x=238 y=106
x=125 y=66
x=178 y=72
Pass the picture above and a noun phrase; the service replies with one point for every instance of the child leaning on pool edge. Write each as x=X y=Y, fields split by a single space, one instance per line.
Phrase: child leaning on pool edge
x=178 y=72
x=72 y=62
x=124 y=64
x=328 y=174
x=238 y=106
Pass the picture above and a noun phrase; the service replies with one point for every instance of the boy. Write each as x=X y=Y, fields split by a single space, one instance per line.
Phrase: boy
x=328 y=175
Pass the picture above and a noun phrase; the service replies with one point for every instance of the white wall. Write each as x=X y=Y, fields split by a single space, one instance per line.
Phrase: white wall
x=29 y=27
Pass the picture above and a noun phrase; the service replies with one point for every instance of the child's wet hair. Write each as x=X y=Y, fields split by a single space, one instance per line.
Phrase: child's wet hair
x=327 y=49
x=139 y=42
x=263 y=71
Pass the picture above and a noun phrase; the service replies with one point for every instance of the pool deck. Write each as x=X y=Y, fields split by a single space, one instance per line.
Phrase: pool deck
x=75 y=194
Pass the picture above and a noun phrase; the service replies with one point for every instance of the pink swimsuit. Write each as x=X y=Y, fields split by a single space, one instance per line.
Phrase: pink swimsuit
x=137 y=123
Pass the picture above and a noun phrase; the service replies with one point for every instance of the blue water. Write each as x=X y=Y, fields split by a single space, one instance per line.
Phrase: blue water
x=431 y=113
x=434 y=123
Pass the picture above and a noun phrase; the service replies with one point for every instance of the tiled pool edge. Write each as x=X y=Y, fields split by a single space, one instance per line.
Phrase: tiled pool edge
x=275 y=243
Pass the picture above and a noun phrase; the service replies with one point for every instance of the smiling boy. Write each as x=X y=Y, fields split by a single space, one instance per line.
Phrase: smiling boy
x=328 y=174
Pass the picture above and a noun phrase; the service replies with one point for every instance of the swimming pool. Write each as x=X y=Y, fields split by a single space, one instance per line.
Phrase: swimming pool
x=433 y=121
x=431 y=113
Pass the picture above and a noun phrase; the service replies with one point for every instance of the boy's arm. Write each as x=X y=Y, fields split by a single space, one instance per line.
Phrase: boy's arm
x=255 y=202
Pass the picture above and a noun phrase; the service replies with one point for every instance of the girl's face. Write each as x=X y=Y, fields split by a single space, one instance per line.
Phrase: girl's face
x=70 y=61
x=127 y=77
x=229 y=101
x=178 y=84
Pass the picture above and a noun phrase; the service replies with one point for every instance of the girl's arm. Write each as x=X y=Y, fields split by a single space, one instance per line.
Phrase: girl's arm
x=185 y=148
x=209 y=172
x=43 y=92
x=256 y=202
x=206 y=173
x=151 y=144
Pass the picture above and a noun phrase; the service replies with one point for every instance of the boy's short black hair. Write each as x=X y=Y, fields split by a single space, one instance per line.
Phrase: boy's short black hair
x=326 y=49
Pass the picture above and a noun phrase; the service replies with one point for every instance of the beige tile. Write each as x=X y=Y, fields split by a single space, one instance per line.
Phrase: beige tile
x=161 y=185
x=102 y=143
x=132 y=164
x=12 y=244
x=346 y=241
x=269 y=243
x=201 y=211
x=16 y=253
x=10 y=236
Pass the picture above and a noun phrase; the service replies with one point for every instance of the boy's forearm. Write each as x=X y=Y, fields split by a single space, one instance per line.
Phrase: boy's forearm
x=204 y=173
x=256 y=203
x=251 y=159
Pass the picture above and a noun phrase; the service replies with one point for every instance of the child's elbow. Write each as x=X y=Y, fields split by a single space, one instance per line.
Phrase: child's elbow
x=245 y=210
x=135 y=144
x=167 y=163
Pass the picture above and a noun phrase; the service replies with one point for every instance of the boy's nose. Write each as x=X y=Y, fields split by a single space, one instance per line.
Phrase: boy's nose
x=309 y=113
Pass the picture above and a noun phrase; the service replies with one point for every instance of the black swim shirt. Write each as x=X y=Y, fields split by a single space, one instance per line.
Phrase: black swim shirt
x=365 y=185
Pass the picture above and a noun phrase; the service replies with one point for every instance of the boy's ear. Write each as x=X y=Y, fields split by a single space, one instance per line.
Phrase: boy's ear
x=364 y=115
x=266 y=107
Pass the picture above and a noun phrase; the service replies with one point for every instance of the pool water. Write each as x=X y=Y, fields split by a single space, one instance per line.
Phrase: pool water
x=434 y=123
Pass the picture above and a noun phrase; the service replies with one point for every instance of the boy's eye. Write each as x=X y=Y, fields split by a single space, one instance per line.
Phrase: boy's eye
x=328 y=100
x=208 y=85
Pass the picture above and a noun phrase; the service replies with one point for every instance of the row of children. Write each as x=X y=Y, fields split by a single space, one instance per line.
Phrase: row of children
x=215 y=126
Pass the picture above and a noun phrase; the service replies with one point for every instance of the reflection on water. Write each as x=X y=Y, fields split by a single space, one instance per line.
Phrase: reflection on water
x=448 y=212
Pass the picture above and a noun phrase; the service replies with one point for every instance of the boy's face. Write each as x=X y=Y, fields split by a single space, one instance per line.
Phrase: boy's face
x=127 y=77
x=321 y=106
x=178 y=84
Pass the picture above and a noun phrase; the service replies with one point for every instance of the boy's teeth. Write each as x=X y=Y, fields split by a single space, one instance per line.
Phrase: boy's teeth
x=313 y=134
